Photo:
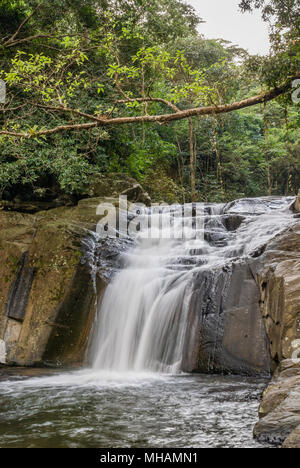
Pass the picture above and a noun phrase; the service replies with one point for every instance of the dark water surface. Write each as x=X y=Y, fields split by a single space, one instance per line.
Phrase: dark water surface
x=96 y=409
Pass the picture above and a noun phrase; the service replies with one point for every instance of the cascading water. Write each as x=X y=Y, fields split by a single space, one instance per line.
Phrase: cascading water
x=143 y=319
x=149 y=315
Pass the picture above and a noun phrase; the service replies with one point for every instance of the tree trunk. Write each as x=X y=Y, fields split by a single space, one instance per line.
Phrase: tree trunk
x=192 y=161
x=180 y=169
x=216 y=150
x=288 y=181
x=266 y=151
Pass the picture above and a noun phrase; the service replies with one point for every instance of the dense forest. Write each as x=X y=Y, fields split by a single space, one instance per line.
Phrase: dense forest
x=95 y=87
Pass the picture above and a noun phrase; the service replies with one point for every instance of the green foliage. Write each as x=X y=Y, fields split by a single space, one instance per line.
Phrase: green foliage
x=162 y=187
x=87 y=55
x=73 y=173
x=284 y=22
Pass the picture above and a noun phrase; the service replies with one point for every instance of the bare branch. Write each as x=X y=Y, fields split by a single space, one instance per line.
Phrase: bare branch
x=150 y=99
x=73 y=111
x=12 y=38
x=27 y=39
x=13 y=109
x=61 y=128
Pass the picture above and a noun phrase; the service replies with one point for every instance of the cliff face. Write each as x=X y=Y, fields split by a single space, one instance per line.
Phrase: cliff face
x=279 y=282
x=228 y=333
x=47 y=290
x=47 y=294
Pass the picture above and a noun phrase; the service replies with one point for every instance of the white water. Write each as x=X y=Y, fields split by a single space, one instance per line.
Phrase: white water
x=142 y=322
x=88 y=409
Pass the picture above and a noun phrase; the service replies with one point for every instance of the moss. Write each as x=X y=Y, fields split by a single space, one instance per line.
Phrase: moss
x=60 y=309
x=57 y=294
x=13 y=263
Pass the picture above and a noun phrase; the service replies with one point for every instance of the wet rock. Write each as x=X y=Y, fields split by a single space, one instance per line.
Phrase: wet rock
x=215 y=232
x=47 y=289
x=227 y=332
x=293 y=440
x=232 y=222
x=108 y=254
x=245 y=206
x=279 y=282
x=296 y=205
x=19 y=294
x=216 y=237
x=218 y=229
x=254 y=206
x=280 y=407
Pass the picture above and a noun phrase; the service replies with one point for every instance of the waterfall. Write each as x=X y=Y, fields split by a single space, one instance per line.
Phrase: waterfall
x=143 y=320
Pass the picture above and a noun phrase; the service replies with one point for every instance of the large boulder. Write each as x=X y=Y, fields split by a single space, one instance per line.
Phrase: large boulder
x=227 y=332
x=279 y=283
x=297 y=203
x=47 y=290
x=99 y=186
x=114 y=185
x=280 y=408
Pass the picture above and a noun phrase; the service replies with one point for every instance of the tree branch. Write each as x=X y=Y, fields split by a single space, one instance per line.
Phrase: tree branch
x=12 y=38
x=26 y=39
x=150 y=99
x=161 y=119
x=73 y=111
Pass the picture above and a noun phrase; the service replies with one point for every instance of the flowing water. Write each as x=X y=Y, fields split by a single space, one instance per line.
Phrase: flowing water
x=143 y=321
x=101 y=410
x=134 y=394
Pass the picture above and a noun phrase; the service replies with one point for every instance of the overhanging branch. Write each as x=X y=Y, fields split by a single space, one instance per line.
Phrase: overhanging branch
x=103 y=121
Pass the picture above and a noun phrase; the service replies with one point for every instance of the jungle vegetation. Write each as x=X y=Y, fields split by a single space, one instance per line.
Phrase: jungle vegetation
x=95 y=87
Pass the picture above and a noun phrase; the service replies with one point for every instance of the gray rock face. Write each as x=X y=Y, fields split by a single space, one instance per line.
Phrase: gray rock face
x=228 y=332
x=20 y=291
